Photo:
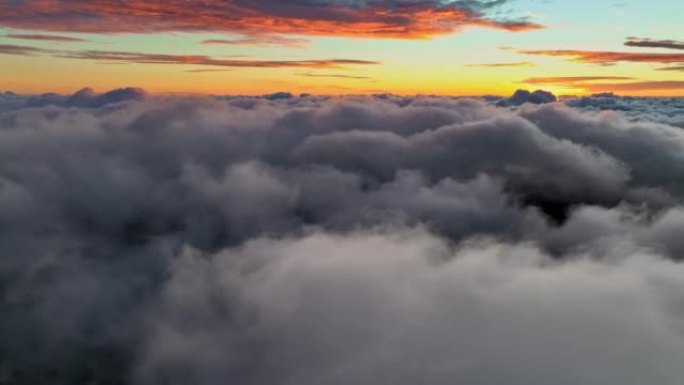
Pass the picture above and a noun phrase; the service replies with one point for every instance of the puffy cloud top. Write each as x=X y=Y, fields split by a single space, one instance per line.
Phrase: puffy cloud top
x=523 y=96
x=87 y=98
x=324 y=240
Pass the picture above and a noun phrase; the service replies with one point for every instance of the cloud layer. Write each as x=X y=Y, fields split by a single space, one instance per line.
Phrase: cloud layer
x=317 y=240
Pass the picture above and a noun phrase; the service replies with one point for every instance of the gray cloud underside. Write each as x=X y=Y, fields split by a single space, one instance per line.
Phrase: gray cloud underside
x=315 y=240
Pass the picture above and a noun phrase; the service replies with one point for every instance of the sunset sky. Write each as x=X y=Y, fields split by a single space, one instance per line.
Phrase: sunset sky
x=467 y=47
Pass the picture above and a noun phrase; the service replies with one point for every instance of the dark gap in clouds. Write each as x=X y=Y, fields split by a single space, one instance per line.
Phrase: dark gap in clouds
x=651 y=43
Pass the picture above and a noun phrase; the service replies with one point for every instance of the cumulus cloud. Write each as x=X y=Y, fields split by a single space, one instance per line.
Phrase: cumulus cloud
x=663 y=110
x=523 y=96
x=405 y=308
x=316 y=240
x=87 y=98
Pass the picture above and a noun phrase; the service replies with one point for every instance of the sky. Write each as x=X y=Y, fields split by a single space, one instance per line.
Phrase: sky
x=441 y=47
x=171 y=215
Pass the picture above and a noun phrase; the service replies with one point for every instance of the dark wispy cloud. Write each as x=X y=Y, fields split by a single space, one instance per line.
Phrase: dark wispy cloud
x=651 y=43
x=608 y=57
x=360 y=18
x=672 y=68
x=42 y=37
x=317 y=240
x=521 y=97
x=10 y=49
x=150 y=58
x=261 y=40
x=147 y=58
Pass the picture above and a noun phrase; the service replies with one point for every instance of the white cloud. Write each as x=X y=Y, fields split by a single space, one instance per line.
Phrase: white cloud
x=317 y=240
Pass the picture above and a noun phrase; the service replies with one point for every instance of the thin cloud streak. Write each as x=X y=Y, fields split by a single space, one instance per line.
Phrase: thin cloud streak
x=10 y=49
x=650 y=43
x=496 y=65
x=607 y=57
x=269 y=40
x=205 y=70
x=145 y=58
x=664 y=85
x=673 y=68
x=339 y=76
x=40 y=37
x=572 y=79
x=148 y=58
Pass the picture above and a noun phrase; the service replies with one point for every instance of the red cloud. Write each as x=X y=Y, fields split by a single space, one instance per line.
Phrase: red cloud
x=609 y=57
x=383 y=19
